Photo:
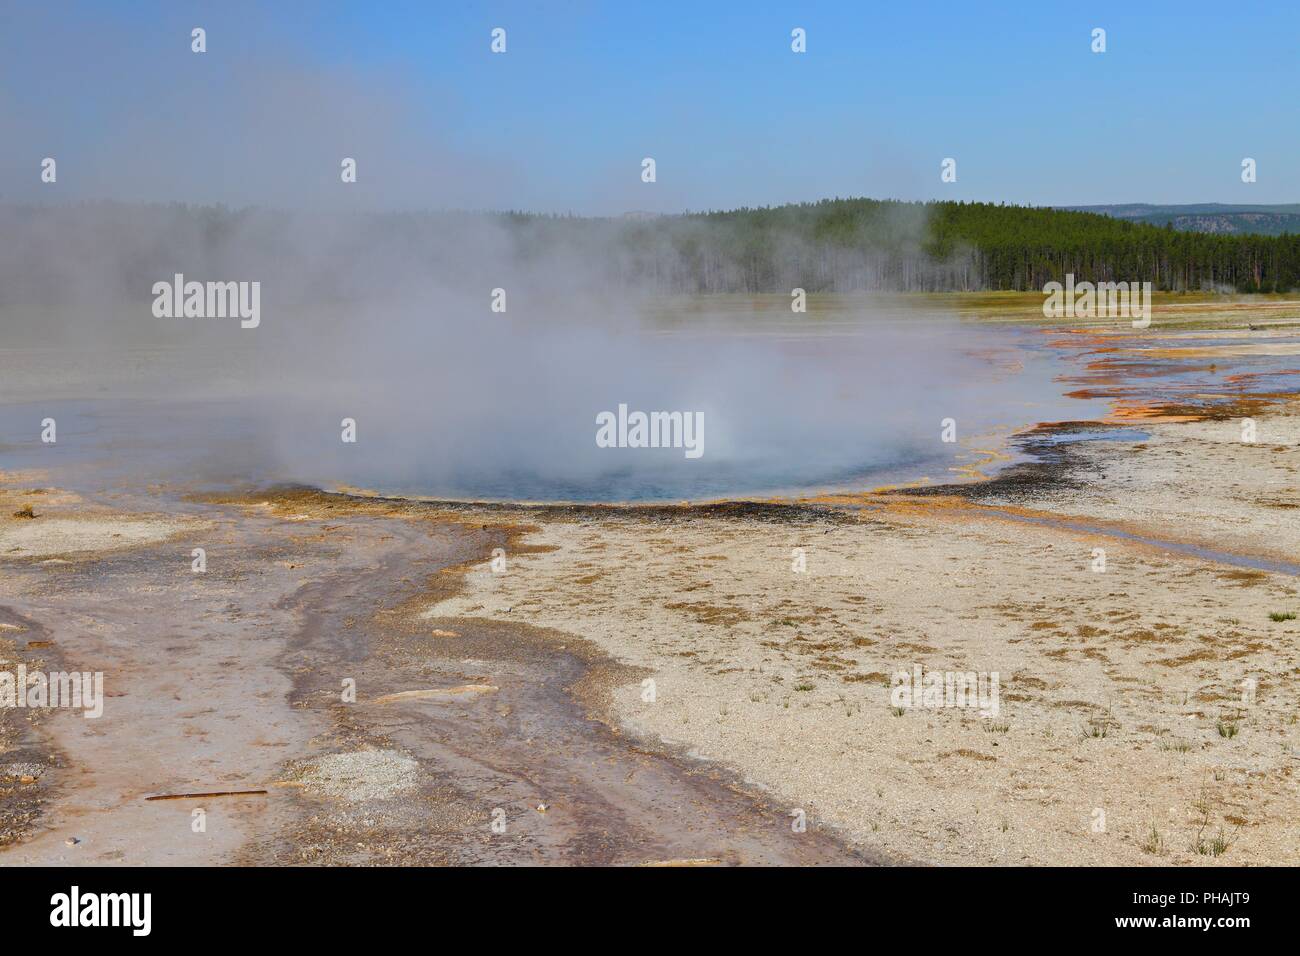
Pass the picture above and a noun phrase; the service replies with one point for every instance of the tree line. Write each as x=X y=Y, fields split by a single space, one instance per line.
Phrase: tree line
x=87 y=254
x=843 y=245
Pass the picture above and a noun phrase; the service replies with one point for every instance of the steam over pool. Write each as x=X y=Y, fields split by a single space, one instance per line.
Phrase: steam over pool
x=468 y=359
x=848 y=402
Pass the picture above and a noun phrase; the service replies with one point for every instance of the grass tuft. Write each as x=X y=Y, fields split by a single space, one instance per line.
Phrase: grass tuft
x=1154 y=843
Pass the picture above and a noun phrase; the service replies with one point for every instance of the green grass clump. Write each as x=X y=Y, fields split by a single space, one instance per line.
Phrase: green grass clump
x=1154 y=843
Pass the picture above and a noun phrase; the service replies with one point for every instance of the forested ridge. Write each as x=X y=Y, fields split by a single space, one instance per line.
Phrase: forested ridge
x=864 y=244
x=1023 y=247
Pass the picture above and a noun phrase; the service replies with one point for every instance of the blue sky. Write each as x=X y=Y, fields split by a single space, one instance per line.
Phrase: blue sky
x=711 y=90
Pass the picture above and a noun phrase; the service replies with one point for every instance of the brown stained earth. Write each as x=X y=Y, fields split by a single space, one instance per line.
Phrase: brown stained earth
x=1173 y=375
x=233 y=680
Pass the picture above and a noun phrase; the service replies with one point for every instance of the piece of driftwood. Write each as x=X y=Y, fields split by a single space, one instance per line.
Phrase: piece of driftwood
x=215 y=793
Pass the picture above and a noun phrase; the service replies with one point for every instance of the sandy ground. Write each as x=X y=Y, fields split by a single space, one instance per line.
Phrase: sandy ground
x=1197 y=481
x=49 y=523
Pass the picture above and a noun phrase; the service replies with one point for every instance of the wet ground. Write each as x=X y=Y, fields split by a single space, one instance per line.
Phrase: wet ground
x=233 y=680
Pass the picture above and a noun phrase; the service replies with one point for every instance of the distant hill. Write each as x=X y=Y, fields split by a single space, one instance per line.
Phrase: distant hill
x=1220 y=218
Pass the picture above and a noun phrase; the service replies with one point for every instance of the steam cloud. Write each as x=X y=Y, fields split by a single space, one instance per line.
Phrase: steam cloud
x=385 y=319
x=376 y=309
